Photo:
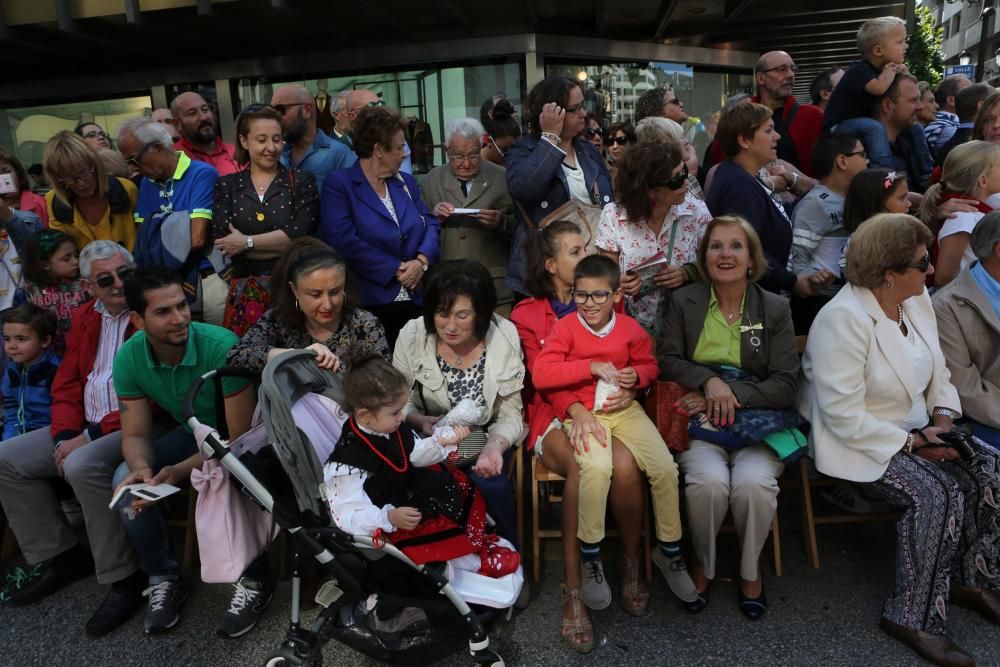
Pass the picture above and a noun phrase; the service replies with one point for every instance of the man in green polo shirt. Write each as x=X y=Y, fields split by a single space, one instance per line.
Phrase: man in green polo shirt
x=158 y=365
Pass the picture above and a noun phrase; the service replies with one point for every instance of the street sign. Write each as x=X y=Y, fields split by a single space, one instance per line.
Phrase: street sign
x=967 y=70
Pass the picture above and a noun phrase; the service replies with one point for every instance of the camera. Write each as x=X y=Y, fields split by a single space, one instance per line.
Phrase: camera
x=961 y=442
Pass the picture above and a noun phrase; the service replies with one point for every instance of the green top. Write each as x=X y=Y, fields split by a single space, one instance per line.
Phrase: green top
x=719 y=342
x=138 y=375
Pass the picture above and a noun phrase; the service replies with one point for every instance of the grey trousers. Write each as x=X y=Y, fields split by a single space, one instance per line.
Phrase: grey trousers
x=717 y=480
x=34 y=511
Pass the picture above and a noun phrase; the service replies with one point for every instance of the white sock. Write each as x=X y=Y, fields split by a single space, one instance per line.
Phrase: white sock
x=469 y=562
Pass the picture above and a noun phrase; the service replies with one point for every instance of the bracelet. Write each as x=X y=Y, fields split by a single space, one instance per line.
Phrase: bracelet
x=945 y=412
x=910 y=439
x=795 y=180
x=554 y=139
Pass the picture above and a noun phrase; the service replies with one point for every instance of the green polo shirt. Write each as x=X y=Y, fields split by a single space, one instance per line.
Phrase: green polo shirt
x=719 y=342
x=137 y=374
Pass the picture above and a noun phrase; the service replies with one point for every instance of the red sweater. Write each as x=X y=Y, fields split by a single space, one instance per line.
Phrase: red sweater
x=563 y=366
x=68 y=416
x=807 y=126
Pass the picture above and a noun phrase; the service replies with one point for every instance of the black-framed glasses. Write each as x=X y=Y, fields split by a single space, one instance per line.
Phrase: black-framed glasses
x=923 y=264
x=618 y=141
x=282 y=108
x=784 y=69
x=107 y=280
x=79 y=178
x=93 y=134
x=593 y=131
x=677 y=180
x=599 y=297
x=863 y=153
x=134 y=160
x=576 y=108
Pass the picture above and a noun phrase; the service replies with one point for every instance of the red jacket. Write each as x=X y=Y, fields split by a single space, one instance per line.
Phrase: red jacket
x=68 y=416
x=806 y=128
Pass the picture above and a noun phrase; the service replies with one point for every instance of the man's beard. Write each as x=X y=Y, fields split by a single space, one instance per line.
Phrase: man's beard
x=203 y=134
x=296 y=131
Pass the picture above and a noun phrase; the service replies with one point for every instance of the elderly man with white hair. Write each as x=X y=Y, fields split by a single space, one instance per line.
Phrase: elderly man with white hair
x=469 y=196
x=174 y=214
x=83 y=447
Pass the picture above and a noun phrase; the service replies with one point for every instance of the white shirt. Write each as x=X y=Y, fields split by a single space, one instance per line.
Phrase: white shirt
x=577 y=183
x=965 y=221
x=99 y=397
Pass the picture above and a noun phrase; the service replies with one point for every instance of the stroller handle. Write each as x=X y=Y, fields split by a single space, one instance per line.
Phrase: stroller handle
x=187 y=408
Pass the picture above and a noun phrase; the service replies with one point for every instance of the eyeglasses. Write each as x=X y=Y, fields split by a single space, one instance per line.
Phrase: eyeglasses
x=134 y=160
x=575 y=108
x=376 y=103
x=784 y=69
x=107 y=281
x=676 y=181
x=93 y=134
x=79 y=178
x=675 y=101
x=923 y=264
x=594 y=131
x=458 y=159
x=282 y=108
x=599 y=297
x=618 y=141
x=863 y=153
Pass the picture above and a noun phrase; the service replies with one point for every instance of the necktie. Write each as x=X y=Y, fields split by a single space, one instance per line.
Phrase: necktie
x=465 y=187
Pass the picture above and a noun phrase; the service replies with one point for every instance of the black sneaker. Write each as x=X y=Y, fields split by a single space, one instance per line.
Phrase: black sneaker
x=31 y=583
x=250 y=597
x=165 y=600
x=121 y=603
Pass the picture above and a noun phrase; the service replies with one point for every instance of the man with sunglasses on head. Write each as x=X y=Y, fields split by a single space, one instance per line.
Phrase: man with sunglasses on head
x=306 y=146
x=799 y=126
x=199 y=138
x=83 y=447
x=359 y=99
x=174 y=213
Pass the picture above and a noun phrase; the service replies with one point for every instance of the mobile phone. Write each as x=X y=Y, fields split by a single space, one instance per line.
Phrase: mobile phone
x=7 y=185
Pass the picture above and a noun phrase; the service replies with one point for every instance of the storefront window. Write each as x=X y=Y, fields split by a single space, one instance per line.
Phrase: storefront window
x=428 y=98
x=25 y=130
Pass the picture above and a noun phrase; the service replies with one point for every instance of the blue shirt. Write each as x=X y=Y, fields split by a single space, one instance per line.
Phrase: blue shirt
x=324 y=156
x=989 y=286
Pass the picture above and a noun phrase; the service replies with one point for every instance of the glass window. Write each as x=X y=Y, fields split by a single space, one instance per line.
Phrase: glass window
x=427 y=98
x=25 y=130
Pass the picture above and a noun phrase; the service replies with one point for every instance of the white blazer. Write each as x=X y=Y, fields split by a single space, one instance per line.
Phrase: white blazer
x=858 y=382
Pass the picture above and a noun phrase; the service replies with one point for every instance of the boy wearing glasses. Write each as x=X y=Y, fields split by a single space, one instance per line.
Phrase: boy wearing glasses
x=589 y=357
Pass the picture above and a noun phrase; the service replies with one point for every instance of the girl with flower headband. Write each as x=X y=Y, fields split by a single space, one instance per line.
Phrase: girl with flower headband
x=873 y=191
x=52 y=278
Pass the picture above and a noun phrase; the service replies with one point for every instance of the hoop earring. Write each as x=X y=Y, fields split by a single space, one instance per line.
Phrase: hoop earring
x=889 y=284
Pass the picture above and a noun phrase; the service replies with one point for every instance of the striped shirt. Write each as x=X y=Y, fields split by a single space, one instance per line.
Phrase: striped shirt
x=99 y=396
x=940 y=130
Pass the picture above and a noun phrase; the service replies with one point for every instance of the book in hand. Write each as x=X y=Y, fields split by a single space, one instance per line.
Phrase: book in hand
x=466 y=211
x=650 y=266
x=130 y=492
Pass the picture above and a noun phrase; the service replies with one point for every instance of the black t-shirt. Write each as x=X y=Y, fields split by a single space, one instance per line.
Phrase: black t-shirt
x=849 y=99
x=787 y=150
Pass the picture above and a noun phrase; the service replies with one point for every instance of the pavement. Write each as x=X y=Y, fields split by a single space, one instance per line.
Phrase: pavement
x=815 y=617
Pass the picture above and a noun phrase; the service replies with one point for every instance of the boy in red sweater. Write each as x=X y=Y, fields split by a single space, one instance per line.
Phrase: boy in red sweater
x=588 y=357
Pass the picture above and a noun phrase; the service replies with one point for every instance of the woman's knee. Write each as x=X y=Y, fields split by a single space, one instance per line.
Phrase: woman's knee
x=624 y=467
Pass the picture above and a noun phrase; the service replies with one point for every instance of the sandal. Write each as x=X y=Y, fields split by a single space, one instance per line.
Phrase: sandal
x=578 y=625
x=635 y=595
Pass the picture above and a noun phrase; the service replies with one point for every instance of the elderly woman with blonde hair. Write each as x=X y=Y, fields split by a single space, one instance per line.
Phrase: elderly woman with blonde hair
x=85 y=203
x=882 y=408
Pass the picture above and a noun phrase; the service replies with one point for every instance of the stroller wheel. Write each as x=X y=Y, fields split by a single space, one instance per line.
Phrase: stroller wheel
x=488 y=659
x=281 y=659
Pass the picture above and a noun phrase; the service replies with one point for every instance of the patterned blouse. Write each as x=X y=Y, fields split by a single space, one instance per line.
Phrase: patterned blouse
x=291 y=205
x=359 y=328
x=464 y=382
x=635 y=242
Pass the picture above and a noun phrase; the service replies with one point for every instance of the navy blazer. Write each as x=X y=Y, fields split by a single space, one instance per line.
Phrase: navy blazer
x=736 y=192
x=536 y=181
x=355 y=223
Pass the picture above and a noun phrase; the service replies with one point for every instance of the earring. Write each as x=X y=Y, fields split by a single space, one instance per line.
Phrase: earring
x=749 y=271
x=889 y=284
x=297 y=306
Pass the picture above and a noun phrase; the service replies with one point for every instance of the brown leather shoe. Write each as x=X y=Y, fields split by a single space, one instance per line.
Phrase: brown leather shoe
x=936 y=648
x=985 y=602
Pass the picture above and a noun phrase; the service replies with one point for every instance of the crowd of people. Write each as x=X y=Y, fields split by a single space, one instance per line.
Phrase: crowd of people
x=621 y=258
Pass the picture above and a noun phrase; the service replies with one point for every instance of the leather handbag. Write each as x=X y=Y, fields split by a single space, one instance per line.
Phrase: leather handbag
x=673 y=427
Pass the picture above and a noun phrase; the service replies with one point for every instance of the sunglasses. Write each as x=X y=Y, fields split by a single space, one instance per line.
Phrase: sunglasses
x=599 y=297
x=619 y=141
x=134 y=160
x=107 y=281
x=594 y=131
x=376 y=103
x=675 y=182
x=497 y=148
x=923 y=264
x=282 y=108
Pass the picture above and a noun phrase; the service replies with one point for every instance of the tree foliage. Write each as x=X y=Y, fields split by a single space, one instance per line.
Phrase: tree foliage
x=923 y=53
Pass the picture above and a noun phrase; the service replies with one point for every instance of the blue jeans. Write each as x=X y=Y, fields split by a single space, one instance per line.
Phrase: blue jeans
x=873 y=136
x=148 y=530
x=498 y=492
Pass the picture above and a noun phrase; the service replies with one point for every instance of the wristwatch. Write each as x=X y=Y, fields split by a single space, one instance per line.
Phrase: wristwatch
x=249 y=242
x=423 y=264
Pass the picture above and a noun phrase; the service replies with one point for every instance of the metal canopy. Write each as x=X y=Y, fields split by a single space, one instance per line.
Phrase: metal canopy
x=54 y=39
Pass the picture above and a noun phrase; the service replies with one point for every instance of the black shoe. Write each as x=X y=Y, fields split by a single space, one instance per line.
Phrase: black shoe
x=31 y=583
x=121 y=603
x=250 y=597
x=699 y=604
x=753 y=608
x=165 y=600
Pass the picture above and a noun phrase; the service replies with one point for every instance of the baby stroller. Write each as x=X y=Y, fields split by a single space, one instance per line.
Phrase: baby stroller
x=371 y=579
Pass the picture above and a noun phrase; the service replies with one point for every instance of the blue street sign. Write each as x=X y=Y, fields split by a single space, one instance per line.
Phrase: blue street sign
x=967 y=70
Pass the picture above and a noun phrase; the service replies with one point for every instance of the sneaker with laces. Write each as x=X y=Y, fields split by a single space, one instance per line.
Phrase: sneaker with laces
x=675 y=572
x=595 y=591
x=250 y=597
x=30 y=583
x=846 y=497
x=163 y=610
